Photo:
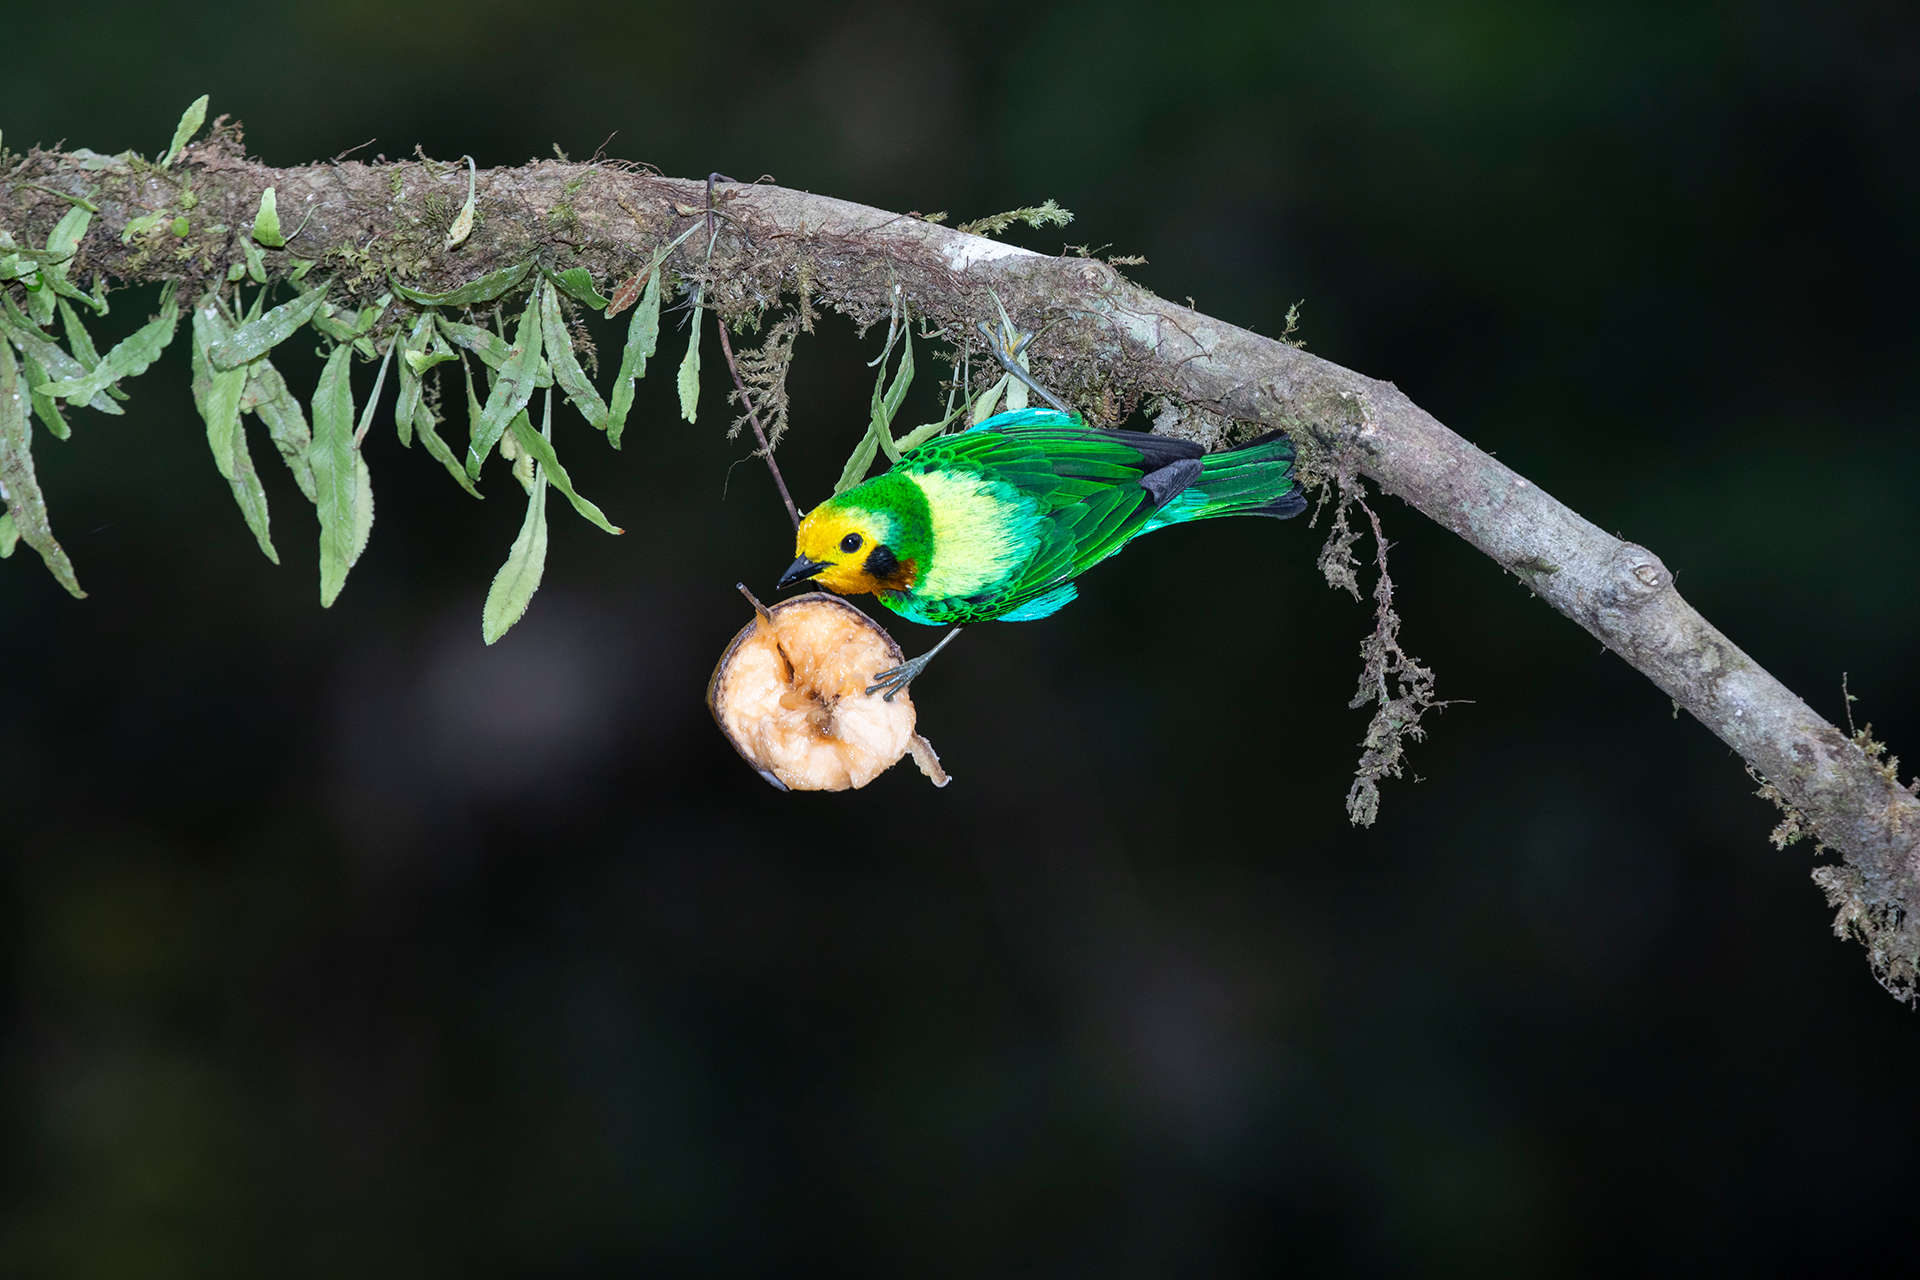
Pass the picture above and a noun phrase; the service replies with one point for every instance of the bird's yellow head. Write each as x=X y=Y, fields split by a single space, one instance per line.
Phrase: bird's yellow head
x=846 y=549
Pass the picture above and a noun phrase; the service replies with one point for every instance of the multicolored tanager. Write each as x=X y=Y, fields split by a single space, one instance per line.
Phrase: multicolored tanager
x=998 y=520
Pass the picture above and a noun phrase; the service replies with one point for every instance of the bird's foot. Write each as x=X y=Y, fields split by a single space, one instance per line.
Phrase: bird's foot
x=1008 y=344
x=896 y=679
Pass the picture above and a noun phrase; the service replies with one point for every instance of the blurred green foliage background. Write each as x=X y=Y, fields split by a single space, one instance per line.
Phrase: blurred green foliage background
x=336 y=943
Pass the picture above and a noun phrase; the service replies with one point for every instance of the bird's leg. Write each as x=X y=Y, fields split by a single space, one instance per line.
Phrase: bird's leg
x=1007 y=345
x=895 y=679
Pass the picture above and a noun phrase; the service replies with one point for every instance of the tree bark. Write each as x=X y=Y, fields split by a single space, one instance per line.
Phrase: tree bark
x=1106 y=343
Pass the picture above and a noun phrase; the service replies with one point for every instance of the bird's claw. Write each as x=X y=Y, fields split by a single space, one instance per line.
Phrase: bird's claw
x=894 y=679
x=1008 y=344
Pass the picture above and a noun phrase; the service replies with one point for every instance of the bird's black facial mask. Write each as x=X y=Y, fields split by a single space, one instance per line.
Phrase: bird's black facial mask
x=882 y=564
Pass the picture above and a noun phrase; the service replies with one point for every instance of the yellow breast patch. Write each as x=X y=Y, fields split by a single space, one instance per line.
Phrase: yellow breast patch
x=980 y=533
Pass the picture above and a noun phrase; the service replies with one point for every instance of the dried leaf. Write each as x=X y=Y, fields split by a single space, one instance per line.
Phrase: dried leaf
x=628 y=292
x=463 y=225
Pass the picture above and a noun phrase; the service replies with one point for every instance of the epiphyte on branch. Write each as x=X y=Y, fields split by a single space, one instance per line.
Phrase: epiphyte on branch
x=998 y=520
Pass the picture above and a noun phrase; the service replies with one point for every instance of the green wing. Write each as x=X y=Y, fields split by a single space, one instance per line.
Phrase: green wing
x=1084 y=484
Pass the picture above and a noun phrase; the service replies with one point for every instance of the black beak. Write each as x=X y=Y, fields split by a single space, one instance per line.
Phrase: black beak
x=799 y=571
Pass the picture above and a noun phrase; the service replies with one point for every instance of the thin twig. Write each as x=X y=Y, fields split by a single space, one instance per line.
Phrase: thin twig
x=765 y=450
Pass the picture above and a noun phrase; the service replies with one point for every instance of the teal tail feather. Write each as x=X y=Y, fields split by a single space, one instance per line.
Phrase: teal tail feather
x=1255 y=479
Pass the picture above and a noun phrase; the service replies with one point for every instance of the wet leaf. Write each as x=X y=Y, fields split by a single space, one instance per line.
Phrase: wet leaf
x=190 y=121
x=463 y=224
x=539 y=448
x=519 y=577
x=424 y=425
x=45 y=407
x=26 y=256
x=79 y=341
x=489 y=346
x=521 y=460
x=379 y=381
x=141 y=225
x=983 y=405
x=512 y=388
x=267 y=396
x=688 y=380
x=352 y=327
x=485 y=343
x=266 y=223
x=36 y=345
x=485 y=289
x=362 y=507
x=257 y=337
x=9 y=536
x=856 y=468
x=643 y=334
x=411 y=347
x=256 y=262
x=920 y=435
x=217 y=392
x=61 y=243
x=92 y=160
x=578 y=282
x=334 y=474
x=129 y=358
x=25 y=504
x=886 y=406
x=566 y=369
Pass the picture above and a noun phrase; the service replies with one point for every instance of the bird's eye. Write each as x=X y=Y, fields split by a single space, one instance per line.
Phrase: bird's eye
x=850 y=543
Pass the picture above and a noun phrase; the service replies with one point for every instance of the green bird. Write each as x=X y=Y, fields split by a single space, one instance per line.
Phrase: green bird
x=998 y=520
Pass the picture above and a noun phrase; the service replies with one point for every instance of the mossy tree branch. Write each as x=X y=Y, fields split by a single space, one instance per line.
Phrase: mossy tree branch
x=1107 y=344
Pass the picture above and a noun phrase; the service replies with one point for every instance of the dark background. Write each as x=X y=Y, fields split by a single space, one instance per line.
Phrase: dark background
x=338 y=944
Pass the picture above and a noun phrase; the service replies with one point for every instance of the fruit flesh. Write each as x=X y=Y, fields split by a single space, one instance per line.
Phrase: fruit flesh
x=790 y=694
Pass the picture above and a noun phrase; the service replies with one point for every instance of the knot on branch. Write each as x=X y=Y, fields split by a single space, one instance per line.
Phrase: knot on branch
x=1637 y=576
